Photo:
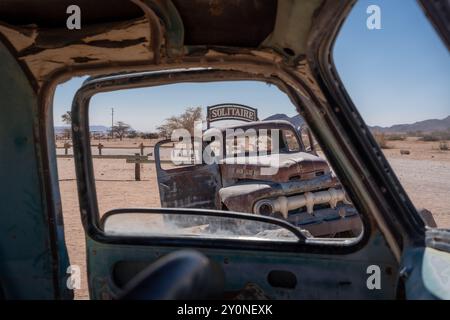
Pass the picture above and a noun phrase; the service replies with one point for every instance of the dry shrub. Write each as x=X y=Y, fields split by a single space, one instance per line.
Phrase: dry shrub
x=436 y=136
x=443 y=146
x=381 y=140
x=395 y=137
x=429 y=137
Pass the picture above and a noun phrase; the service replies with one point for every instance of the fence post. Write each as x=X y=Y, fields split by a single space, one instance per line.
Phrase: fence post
x=137 y=168
x=66 y=147
x=142 y=148
x=100 y=147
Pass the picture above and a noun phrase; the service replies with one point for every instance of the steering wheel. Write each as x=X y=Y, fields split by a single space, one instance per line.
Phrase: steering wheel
x=184 y=274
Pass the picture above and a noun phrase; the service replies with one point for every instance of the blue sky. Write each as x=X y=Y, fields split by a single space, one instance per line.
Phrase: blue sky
x=399 y=74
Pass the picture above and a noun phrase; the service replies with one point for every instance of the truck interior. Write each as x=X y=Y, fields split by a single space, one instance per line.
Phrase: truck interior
x=141 y=43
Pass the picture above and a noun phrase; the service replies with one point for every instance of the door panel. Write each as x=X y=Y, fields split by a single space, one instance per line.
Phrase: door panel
x=312 y=276
x=185 y=186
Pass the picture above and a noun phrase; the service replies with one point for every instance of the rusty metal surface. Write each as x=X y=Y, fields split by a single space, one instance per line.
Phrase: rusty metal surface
x=220 y=22
x=194 y=186
x=123 y=35
x=46 y=50
x=329 y=222
x=52 y=13
x=189 y=187
x=288 y=167
x=242 y=196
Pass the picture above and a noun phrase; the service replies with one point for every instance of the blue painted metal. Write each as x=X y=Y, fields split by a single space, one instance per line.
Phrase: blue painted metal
x=27 y=266
x=436 y=272
x=425 y=273
x=319 y=276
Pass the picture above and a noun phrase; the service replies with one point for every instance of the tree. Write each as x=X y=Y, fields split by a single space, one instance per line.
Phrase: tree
x=185 y=120
x=121 y=129
x=67 y=117
x=149 y=135
x=132 y=134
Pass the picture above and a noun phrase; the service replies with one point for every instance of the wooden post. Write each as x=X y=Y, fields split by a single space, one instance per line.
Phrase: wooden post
x=142 y=148
x=138 y=160
x=137 y=168
x=100 y=147
x=66 y=148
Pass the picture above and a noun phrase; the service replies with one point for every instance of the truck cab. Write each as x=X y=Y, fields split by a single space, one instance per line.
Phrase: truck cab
x=263 y=168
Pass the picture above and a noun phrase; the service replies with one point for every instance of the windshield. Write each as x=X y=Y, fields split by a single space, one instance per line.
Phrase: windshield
x=264 y=141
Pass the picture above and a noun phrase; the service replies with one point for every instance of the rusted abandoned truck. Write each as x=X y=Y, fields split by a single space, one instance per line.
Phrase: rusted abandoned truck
x=289 y=181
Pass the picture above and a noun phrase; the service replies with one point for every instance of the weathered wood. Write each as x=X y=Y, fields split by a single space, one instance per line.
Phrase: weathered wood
x=113 y=156
x=100 y=147
x=137 y=167
x=131 y=147
x=118 y=147
x=136 y=158
x=109 y=157
x=150 y=161
x=67 y=146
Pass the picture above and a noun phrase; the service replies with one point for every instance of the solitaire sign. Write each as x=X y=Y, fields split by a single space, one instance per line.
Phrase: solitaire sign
x=231 y=111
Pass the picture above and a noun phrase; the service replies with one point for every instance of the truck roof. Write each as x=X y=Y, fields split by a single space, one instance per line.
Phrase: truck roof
x=270 y=124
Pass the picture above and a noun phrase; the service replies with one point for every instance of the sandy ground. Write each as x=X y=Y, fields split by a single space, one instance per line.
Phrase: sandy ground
x=116 y=188
x=425 y=174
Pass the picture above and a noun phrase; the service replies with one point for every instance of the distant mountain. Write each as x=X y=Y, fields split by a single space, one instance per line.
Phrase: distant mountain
x=424 y=126
x=296 y=120
x=102 y=129
x=99 y=129
x=277 y=116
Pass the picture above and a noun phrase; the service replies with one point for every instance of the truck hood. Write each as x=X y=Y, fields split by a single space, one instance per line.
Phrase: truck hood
x=274 y=167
